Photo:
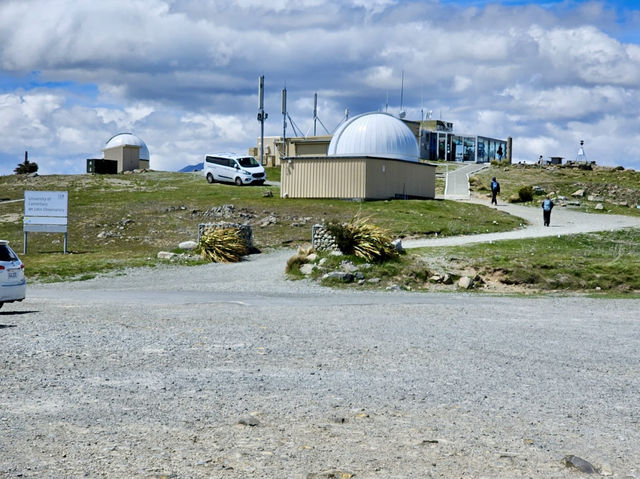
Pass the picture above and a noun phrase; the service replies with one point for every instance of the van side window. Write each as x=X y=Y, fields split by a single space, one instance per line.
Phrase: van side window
x=210 y=159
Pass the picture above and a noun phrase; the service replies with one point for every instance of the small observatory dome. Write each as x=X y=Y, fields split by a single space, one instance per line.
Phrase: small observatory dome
x=129 y=140
x=375 y=134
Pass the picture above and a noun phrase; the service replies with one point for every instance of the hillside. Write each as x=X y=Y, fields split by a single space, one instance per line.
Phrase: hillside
x=616 y=189
x=118 y=221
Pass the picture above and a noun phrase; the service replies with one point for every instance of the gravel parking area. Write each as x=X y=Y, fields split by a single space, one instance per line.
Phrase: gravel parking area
x=231 y=371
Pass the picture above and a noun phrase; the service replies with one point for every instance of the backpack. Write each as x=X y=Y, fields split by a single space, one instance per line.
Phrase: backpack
x=495 y=186
x=546 y=205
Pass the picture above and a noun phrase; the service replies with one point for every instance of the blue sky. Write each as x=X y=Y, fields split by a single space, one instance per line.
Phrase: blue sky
x=182 y=74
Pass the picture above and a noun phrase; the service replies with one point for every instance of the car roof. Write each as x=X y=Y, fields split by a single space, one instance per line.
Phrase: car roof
x=4 y=242
x=232 y=156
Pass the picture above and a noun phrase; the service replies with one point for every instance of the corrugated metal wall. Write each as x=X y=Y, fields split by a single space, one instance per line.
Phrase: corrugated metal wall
x=323 y=178
x=390 y=178
x=355 y=177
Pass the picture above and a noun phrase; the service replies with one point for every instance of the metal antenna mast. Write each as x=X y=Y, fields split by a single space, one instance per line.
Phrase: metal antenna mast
x=284 y=122
x=262 y=116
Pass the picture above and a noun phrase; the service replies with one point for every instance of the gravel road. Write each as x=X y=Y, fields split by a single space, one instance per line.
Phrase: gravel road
x=230 y=371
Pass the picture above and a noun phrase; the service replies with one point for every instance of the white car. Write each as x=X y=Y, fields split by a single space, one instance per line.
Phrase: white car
x=13 y=285
x=231 y=168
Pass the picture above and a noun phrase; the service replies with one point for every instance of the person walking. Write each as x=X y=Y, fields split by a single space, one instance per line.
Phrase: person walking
x=495 y=189
x=547 y=206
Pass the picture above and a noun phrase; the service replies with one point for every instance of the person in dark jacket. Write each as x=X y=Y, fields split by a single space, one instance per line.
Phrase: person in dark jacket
x=495 y=189
x=547 y=206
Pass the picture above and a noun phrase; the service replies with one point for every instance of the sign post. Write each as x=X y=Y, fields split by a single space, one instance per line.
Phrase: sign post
x=45 y=212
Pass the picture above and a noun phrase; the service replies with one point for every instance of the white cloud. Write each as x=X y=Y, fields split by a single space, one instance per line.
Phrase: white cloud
x=182 y=74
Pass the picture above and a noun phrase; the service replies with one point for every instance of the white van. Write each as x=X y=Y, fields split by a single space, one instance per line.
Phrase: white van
x=231 y=168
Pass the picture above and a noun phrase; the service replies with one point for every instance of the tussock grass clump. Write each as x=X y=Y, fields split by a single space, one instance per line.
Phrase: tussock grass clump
x=298 y=259
x=222 y=245
x=363 y=239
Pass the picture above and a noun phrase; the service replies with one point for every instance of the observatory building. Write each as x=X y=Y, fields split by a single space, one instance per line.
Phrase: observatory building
x=122 y=152
x=371 y=156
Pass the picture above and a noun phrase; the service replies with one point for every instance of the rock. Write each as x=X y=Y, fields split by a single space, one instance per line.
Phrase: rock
x=436 y=278
x=447 y=279
x=312 y=258
x=307 y=268
x=322 y=261
x=358 y=275
x=332 y=474
x=340 y=276
x=578 y=193
x=599 y=206
x=594 y=198
x=578 y=463
x=465 y=282
x=249 y=421
x=348 y=267
x=397 y=244
x=373 y=280
x=336 y=253
x=573 y=203
x=166 y=255
x=188 y=245
x=268 y=194
x=393 y=287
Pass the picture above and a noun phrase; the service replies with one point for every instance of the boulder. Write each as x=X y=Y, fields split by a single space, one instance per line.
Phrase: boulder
x=166 y=255
x=307 y=268
x=465 y=282
x=599 y=206
x=188 y=245
x=578 y=193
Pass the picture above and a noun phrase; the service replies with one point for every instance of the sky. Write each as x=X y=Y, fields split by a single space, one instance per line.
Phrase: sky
x=183 y=74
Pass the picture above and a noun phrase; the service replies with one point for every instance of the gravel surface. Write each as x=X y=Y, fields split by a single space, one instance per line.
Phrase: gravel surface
x=231 y=371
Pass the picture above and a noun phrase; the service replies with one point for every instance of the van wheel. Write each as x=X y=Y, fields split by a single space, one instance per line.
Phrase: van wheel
x=238 y=181
x=210 y=178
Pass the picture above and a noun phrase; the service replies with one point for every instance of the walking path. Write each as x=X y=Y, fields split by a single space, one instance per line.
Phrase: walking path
x=564 y=220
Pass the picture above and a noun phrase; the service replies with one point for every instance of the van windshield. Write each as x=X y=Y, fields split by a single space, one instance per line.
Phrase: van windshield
x=248 y=162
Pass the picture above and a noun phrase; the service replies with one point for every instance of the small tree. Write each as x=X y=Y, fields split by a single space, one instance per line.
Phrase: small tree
x=26 y=167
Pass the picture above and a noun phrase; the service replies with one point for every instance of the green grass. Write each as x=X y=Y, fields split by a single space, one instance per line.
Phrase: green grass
x=118 y=221
x=607 y=261
x=608 y=186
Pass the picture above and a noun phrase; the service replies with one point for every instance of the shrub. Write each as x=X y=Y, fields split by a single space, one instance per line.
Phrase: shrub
x=298 y=259
x=222 y=245
x=525 y=193
x=363 y=239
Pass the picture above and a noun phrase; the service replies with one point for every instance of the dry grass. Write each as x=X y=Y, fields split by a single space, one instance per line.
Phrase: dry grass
x=222 y=245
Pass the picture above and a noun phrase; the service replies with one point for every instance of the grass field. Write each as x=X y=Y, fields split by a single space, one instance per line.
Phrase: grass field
x=118 y=221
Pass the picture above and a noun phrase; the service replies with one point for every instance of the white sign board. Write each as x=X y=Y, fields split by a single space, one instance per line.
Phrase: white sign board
x=45 y=203
x=45 y=212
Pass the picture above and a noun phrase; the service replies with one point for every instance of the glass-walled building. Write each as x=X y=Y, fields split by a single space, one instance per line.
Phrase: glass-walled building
x=438 y=142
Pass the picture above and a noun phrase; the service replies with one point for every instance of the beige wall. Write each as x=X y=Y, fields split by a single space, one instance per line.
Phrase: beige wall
x=355 y=177
x=127 y=157
x=296 y=146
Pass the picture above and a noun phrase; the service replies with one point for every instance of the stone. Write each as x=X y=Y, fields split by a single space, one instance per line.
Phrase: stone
x=312 y=258
x=578 y=463
x=599 y=206
x=397 y=244
x=268 y=194
x=249 y=421
x=348 y=267
x=465 y=282
x=188 y=245
x=578 y=193
x=373 y=280
x=358 y=275
x=322 y=261
x=166 y=255
x=331 y=474
x=447 y=279
x=594 y=198
x=307 y=268
x=340 y=276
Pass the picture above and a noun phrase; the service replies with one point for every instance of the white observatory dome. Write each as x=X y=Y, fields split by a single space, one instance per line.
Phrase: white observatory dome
x=375 y=134
x=129 y=140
